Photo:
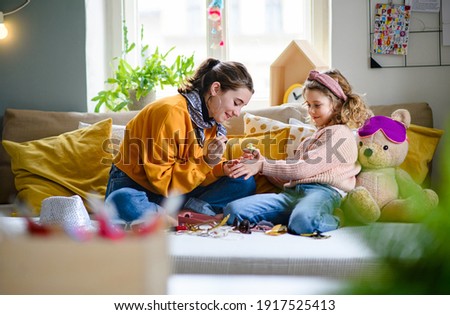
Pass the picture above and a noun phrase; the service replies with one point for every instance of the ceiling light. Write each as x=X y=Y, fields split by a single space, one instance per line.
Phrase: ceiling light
x=3 y=29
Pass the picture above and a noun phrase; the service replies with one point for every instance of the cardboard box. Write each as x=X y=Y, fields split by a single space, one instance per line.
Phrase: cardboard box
x=56 y=264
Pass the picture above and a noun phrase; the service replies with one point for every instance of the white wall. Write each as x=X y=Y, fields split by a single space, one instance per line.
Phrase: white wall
x=350 y=54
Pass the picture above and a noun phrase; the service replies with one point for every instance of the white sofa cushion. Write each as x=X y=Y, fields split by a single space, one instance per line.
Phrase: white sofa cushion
x=343 y=255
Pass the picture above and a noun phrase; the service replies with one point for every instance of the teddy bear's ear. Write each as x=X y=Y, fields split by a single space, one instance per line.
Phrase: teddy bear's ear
x=402 y=115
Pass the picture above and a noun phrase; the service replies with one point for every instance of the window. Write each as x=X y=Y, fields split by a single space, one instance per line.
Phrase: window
x=255 y=32
x=259 y=30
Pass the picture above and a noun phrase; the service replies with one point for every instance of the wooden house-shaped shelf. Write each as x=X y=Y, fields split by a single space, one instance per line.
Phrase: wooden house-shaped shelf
x=292 y=66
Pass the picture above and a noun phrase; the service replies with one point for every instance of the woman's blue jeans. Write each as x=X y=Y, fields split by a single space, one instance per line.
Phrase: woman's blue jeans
x=132 y=200
x=304 y=208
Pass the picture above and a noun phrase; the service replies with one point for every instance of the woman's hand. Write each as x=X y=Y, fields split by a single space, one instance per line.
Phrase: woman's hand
x=214 y=150
x=248 y=165
x=228 y=165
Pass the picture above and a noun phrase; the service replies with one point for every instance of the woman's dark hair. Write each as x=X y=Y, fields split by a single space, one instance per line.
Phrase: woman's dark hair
x=230 y=74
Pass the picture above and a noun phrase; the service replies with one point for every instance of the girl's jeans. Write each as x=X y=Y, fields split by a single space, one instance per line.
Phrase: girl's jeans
x=132 y=200
x=304 y=208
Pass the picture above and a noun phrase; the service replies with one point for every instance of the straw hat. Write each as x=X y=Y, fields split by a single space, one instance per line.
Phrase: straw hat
x=67 y=212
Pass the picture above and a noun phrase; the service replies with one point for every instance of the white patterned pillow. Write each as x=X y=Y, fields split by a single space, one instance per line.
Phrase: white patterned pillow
x=297 y=133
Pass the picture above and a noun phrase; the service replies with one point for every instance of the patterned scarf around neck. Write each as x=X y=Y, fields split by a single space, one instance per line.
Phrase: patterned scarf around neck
x=194 y=104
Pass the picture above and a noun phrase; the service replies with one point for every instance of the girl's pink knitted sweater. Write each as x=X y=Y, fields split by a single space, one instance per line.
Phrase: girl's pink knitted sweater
x=329 y=156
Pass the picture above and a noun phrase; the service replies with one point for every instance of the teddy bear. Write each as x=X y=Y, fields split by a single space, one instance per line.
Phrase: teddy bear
x=384 y=191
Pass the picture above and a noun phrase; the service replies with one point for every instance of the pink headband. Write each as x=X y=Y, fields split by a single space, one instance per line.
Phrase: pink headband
x=328 y=82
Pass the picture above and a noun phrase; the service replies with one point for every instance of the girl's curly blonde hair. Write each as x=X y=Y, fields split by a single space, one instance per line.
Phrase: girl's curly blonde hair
x=353 y=112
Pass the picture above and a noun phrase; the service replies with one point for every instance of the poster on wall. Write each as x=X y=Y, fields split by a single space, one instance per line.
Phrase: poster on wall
x=391 y=29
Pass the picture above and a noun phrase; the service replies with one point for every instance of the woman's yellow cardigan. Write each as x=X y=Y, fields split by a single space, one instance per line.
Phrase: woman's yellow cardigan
x=160 y=150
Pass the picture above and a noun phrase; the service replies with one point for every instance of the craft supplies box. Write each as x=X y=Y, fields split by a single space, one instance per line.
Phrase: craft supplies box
x=56 y=264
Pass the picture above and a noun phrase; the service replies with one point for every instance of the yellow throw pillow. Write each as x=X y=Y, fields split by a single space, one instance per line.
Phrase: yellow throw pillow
x=73 y=163
x=297 y=132
x=271 y=144
x=423 y=142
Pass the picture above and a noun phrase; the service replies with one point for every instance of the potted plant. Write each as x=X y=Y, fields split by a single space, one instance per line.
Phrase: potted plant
x=131 y=86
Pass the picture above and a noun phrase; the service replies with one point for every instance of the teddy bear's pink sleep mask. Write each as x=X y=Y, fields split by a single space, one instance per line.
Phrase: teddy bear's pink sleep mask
x=394 y=130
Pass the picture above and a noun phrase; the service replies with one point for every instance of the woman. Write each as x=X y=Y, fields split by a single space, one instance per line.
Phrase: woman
x=175 y=145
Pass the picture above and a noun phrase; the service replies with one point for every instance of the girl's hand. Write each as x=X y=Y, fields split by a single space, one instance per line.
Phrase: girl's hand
x=250 y=154
x=214 y=150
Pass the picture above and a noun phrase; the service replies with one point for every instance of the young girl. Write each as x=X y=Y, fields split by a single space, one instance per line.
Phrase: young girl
x=323 y=169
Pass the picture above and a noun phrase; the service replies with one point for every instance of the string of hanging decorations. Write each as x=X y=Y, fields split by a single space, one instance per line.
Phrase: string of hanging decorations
x=215 y=16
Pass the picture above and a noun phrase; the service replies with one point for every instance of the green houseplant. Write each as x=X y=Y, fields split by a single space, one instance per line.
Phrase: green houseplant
x=129 y=84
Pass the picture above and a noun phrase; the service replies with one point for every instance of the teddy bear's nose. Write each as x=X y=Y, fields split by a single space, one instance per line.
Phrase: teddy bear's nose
x=368 y=152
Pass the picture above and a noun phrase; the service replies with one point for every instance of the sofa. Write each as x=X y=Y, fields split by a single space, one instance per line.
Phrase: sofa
x=344 y=255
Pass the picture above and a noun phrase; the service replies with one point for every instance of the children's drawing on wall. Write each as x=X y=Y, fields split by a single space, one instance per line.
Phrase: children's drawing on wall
x=215 y=16
x=391 y=29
